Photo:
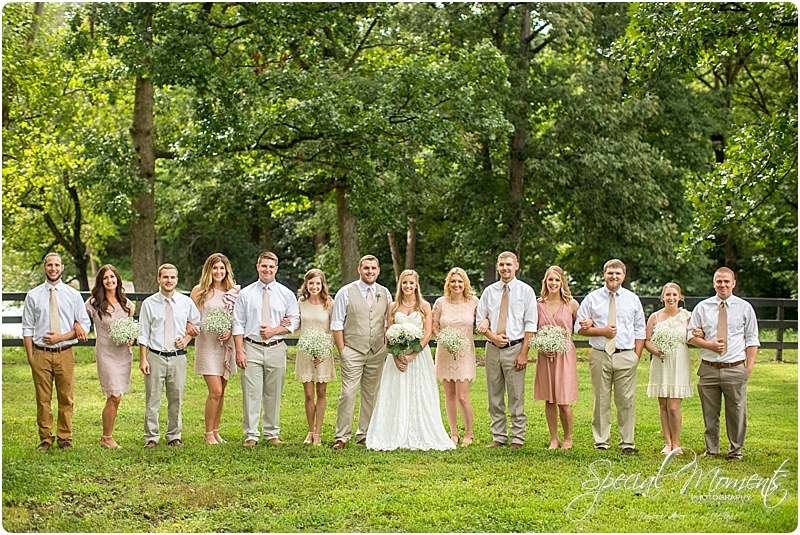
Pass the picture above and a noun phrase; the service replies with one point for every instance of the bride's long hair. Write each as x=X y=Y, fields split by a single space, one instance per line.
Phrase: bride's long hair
x=417 y=295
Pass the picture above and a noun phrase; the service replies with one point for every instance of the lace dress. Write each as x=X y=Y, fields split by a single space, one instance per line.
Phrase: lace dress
x=461 y=317
x=211 y=357
x=313 y=316
x=673 y=377
x=407 y=414
x=113 y=362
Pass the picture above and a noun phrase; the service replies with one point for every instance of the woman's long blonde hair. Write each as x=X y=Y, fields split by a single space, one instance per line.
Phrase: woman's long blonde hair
x=303 y=294
x=207 y=279
x=417 y=295
x=468 y=291
x=566 y=295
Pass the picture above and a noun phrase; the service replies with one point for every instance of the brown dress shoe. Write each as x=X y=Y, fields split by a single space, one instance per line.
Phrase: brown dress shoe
x=338 y=445
x=176 y=442
x=276 y=440
x=66 y=445
x=362 y=441
x=44 y=446
x=249 y=443
x=515 y=446
x=494 y=444
x=150 y=444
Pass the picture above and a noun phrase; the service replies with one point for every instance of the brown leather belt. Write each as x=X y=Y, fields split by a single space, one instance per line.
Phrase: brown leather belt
x=722 y=364
x=52 y=349
x=512 y=343
x=263 y=344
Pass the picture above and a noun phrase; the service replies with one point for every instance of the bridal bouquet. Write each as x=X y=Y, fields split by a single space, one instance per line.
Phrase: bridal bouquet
x=550 y=339
x=217 y=321
x=452 y=340
x=316 y=343
x=404 y=338
x=666 y=341
x=123 y=330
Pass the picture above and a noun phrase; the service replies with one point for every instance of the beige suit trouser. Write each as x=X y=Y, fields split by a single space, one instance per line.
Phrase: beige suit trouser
x=714 y=383
x=502 y=377
x=262 y=384
x=364 y=370
x=169 y=371
x=48 y=367
x=617 y=371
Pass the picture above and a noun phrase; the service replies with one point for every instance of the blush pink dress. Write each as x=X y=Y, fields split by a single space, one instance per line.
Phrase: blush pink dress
x=556 y=381
x=211 y=357
x=113 y=361
x=461 y=317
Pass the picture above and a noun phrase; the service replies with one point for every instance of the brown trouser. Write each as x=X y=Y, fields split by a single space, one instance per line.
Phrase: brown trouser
x=730 y=384
x=47 y=366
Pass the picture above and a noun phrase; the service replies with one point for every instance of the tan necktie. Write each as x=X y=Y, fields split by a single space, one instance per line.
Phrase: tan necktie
x=55 y=318
x=169 y=327
x=370 y=298
x=503 y=318
x=722 y=323
x=611 y=343
x=265 y=307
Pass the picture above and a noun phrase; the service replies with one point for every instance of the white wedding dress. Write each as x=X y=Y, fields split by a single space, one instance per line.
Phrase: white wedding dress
x=407 y=413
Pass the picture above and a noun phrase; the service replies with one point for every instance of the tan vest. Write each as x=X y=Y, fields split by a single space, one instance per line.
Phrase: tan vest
x=364 y=327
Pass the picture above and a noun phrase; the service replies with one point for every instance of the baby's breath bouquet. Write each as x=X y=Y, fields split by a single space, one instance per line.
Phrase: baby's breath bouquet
x=316 y=343
x=666 y=340
x=217 y=321
x=452 y=340
x=404 y=338
x=550 y=339
x=123 y=330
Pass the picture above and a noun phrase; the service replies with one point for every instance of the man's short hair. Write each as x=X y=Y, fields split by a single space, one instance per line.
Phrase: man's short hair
x=614 y=263
x=162 y=267
x=48 y=255
x=268 y=255
x=368 y=258
x=507 y=254
x=727 y=271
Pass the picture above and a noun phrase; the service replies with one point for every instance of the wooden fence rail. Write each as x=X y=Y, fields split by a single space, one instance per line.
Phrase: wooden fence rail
x=650 y=304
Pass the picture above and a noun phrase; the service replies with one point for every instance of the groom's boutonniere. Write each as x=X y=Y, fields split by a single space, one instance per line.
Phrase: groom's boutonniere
x=378 y=294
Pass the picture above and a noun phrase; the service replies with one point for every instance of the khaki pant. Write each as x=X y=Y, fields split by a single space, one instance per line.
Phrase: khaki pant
x=357 y=369
x=617 y=371
x=502 y=377
x=714 y=383
x=262 y=384
x=47 y=367
x=169 y=371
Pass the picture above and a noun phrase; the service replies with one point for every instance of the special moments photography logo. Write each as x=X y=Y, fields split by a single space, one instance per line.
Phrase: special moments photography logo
x=701 y=484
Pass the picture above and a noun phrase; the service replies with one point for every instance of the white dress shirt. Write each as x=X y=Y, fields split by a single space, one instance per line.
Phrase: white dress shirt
x=153 y=314
x=523 y=315
x=742 y=327
x=630 y=317
x=247 y=311
x=342 y=299
x=36 y=312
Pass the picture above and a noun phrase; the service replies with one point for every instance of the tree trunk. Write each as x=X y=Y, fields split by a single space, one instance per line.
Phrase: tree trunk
x=38 y=9
x=348 y=236
x=411 y=244
x=143 y=230
x=516 y=172
x=489 y=272
x=320 y=237
x=395 y=255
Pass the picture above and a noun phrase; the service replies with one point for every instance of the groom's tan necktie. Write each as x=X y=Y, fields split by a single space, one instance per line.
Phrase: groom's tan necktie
x=169 y=327
x=265 y=307
x=722 y=323
x=503 y=318
x=611 y=343
x=370 y=298
x=55 y=318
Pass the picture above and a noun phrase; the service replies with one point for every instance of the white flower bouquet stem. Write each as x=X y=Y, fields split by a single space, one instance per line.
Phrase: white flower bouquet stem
x=452 y=340
x=551 y=339
x=667 y=341
x=316 y=343
x=217 y=321
x=123 y=331
x=404 y=338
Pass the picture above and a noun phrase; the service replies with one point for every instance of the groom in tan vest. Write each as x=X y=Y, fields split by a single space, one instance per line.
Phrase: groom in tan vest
x=358 y=324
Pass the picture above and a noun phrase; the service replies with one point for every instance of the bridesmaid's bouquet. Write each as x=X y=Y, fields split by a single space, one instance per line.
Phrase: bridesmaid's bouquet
x=667 y=341
x=316 y=343
x=123 y=330
x=550 y=339
x=452 y=340
x=217 y=321
x=404 y=338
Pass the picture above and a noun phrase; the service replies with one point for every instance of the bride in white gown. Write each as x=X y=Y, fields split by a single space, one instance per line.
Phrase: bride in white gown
x=407 y=414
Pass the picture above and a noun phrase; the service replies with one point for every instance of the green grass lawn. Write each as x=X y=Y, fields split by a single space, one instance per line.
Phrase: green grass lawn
x=295 y=487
